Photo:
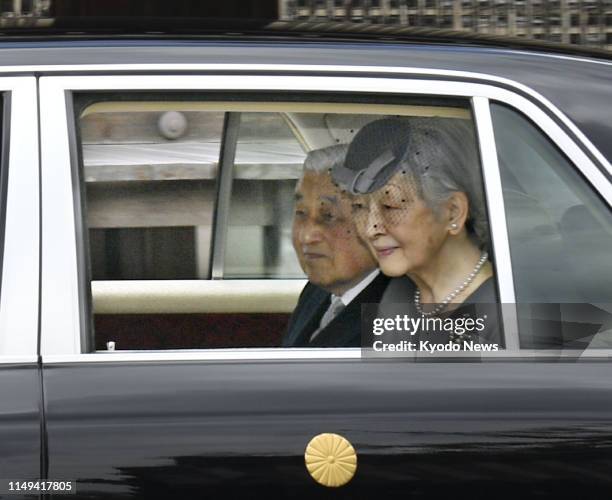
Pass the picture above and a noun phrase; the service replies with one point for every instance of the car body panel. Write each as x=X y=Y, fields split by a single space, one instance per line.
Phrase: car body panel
x=20 y=421
x=153 y=430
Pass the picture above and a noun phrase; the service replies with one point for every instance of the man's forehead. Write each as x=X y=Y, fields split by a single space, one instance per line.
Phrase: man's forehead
x=329 y=198
x=317 y=186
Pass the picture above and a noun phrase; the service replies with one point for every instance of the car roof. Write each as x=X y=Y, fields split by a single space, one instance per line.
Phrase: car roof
x=580 y=86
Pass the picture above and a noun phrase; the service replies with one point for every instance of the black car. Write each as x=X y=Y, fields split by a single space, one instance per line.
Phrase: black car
x=148 y=274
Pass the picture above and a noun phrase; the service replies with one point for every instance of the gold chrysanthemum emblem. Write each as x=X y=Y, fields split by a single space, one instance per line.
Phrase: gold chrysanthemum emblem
x=331 y=460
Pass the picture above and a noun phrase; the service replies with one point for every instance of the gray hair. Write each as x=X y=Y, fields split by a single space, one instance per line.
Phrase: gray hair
x=322 y=160
x=443 y=160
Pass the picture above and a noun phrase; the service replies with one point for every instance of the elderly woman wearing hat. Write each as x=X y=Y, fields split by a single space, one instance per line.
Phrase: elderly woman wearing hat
x=418 y=202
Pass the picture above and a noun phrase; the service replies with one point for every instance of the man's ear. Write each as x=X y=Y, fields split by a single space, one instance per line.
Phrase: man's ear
x=457 y=211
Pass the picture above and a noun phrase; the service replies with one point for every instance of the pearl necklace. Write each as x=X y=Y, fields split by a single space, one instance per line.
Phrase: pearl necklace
x=417 y=294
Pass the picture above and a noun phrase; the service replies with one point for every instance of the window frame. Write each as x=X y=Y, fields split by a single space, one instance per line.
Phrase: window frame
x=61 y=334
x=20 y=217
x=221 y=211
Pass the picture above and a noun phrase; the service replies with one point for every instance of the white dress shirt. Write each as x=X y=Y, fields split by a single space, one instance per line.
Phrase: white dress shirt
x=348 y=296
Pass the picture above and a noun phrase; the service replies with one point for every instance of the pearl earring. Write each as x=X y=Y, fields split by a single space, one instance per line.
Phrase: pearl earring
x=454 y=225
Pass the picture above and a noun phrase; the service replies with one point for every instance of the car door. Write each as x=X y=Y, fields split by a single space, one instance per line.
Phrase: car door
x=20 y=388
x=170 y=419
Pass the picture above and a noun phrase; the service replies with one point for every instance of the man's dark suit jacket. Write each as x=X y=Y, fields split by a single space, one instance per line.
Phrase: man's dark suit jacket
x=343 y=331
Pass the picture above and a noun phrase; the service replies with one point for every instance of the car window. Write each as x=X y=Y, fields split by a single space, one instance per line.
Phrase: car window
x=267 y=165
x=201 y=233
x=560 y=234
x=150 y=177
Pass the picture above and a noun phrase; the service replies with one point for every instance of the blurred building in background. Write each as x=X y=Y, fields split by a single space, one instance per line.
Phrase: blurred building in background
x=45 y=13
x=585 y=22
x=11 y=10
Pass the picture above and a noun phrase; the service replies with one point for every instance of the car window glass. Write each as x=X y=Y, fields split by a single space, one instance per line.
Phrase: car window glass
x=150 y=180
x=158 y=206
x=560 y=234
x=267 y=164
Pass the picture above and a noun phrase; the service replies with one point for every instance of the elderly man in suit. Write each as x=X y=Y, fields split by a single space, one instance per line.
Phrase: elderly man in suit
x=342 y=274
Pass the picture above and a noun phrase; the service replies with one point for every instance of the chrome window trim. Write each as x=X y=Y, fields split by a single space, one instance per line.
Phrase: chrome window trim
x=497 y=218
x=17 y=360
x=309 y=68
x=20 y=276
x=316 y=354
x=60 y=309
x=244 y=354
x=59 y=306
